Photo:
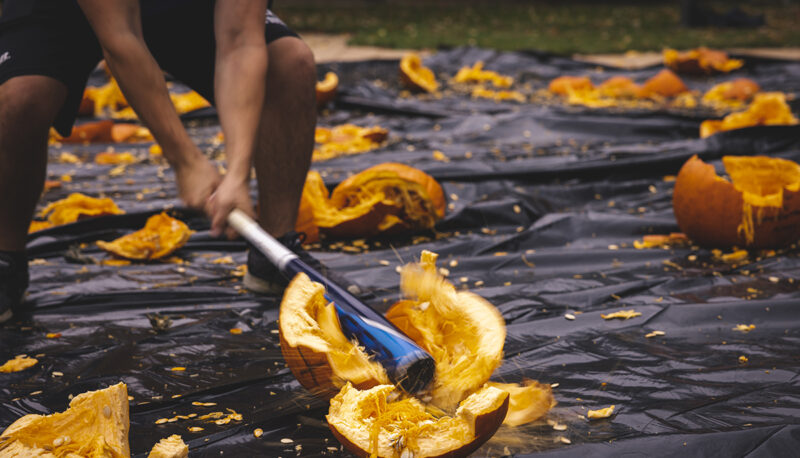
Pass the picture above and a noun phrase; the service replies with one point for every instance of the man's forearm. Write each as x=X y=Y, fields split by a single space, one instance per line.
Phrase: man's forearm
x=240 y=78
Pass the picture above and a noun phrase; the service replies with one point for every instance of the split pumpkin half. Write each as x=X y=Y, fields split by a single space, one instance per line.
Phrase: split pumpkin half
x=96 y=424
x=758 y=208
x=700 y=61
x=767 y=109
x=388 y=198
x=160 y=237
x=416 y=76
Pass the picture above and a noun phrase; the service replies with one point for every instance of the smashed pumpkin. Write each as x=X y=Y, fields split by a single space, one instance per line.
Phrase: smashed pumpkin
x=619 y=87
x=731 y=93
x=345 y=140
x=96 y=424
x=759 y=207
x=664 y=84
x=700 y=61
x=160 y=237
x=476 y=74
x=112 y=158
x=368 y=423
x=462 y=331
x=767 y=108
x=326 y=89
x=388 y=198
x=416 y=76
x=565 y=85
x=77 y=206
x=170 y=447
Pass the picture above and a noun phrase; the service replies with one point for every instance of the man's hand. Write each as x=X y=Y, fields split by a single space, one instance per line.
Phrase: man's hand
x=197 y=180
x=231 y=193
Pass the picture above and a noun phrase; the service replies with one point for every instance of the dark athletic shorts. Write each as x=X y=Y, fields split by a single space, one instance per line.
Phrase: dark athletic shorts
x=53 y=38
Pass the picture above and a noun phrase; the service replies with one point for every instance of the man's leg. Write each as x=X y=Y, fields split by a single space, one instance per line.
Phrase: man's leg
x=28 y=106
x=286 y=136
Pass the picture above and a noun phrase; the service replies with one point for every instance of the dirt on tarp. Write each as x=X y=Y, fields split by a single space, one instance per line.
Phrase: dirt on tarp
x=545 y=202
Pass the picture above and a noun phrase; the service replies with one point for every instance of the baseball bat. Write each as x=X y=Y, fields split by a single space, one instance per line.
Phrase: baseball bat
x=406 y=364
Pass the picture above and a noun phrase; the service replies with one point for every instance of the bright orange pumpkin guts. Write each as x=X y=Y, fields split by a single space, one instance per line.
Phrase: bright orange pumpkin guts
x=385 y=199
x=758 y=208
x=663 y=84
x=464 y=334
x=767 y=108
x=477 y=75
x=699 y=61
x=564 y=85
x=18 y=363
x=112 y=158
x=416 y=76
x=160 y=237
x=77 y=206
x=347 y=139
x=732 y=93
x=326 y=89
x=96 y=424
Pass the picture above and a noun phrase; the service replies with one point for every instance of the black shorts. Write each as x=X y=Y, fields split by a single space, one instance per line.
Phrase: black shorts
x=53 y=38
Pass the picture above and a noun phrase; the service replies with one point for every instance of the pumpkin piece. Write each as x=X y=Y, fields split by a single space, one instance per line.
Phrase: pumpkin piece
x=96 y=424
x=106 y=98
x=124 y=132
x=476 y=74
x=474 y=329
x=112 y=158
x=305 y=221
x=565 y=85
x=170 y=447
x=416 y=76
x=483 y=93
x=388 y=198
x=619 y=87
x=160 y=237
x=347 y=139
x=767 y=108
x=700 y=61
x=36 y=226
x=188 y=101
x=18 y=363
x=731 y=93
x=326 y=89
x=758 y=208
x=664 y=83
x=77 y=206
x=313 y=345
x=432 y=187
x=368 y=423
x=90 y=132
x=529 y=401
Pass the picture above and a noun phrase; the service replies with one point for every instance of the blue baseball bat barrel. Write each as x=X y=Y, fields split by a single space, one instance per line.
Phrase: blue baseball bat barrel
x=406 y=364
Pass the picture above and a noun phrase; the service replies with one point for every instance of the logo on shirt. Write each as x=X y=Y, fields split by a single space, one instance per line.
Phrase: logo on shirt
x=6 y=55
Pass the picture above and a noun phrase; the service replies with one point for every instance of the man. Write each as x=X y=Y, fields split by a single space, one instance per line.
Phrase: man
x=257 y=72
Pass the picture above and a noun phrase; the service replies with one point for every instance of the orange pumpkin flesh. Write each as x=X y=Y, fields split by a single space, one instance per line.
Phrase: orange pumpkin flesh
x=96 y=424
x=700 y=61
x=388 y=198
x=758 y=208
x=416 y=76
x=78 y=206
x=665 y=84
x=767 y=108
x=619 y=87
x=564 y=85
x=369 y=424
x=161 y=236
x=732 y=93
x=477 y=75
x=346 y=139
x=326 y=89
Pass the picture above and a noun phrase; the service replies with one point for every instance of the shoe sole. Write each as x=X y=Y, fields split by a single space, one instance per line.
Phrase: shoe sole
x=260 y=286
x=5 y=316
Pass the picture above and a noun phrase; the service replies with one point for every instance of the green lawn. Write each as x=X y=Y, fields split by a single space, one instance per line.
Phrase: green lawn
x=562 y=27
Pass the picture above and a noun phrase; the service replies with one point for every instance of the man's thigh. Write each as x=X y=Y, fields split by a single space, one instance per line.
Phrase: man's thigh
x=182 y=41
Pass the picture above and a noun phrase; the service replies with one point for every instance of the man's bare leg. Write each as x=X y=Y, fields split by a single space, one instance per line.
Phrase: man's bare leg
x=28 y=106
x=286 y=134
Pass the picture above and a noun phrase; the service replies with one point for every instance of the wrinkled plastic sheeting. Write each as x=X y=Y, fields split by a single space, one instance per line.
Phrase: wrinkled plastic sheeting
x=541 y=224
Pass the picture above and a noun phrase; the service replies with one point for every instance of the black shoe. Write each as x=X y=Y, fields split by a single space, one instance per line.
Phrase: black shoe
x=13 y=282
x=264 y=278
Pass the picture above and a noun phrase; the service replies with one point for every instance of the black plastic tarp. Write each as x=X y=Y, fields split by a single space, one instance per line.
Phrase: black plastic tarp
x=544 y=205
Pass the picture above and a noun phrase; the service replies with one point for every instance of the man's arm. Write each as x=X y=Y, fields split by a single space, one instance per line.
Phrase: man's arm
x=239 y=81
x=117 y=25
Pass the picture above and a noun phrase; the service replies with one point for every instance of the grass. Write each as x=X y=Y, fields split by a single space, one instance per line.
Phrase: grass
x=563 y=27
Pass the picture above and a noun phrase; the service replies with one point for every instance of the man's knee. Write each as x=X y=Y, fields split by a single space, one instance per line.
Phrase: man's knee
x=30 y=103
x=291 y=59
